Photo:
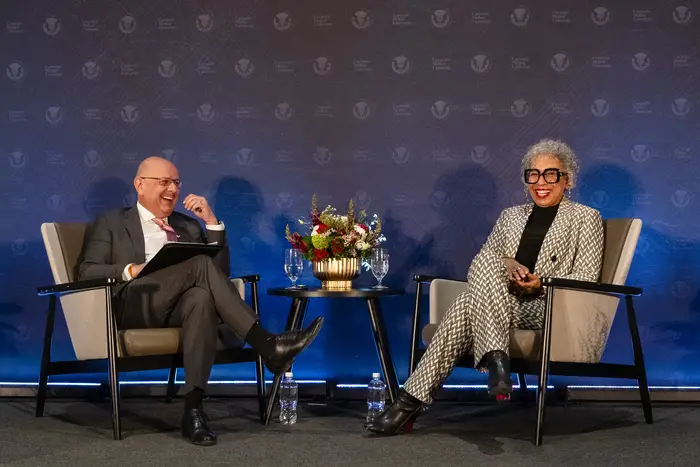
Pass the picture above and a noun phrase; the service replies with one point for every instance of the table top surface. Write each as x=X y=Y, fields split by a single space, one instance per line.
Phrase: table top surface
x=313 y=292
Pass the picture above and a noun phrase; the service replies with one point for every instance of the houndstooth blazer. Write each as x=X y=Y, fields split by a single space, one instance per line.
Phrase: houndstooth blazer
x=572 y=248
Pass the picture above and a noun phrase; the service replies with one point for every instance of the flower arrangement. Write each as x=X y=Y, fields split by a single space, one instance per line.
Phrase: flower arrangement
x=332 y=235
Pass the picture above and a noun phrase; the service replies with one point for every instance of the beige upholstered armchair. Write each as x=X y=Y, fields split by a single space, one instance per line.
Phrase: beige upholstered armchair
x=578 y=319
x=97 y=343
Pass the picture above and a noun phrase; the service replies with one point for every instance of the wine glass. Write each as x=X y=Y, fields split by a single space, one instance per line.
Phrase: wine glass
x=293 y=265
x=380 y=265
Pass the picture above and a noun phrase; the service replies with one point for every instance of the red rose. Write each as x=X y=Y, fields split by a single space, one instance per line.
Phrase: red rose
x=322 y=228
x=364 y=227
x=320 y=254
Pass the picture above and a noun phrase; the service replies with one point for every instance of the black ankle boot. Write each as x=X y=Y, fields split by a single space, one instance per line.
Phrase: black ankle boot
x=398 y=417
x=498 y=365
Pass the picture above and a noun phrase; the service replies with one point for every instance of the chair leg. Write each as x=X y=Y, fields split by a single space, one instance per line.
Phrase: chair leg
x=544 y=368
x=112 y=355
x=170 y=390
x=639 y=361
x=46 y=357
x=115 y=396
x=414 y=331
x=260 y=382
x=523 y=386
x=259 y=365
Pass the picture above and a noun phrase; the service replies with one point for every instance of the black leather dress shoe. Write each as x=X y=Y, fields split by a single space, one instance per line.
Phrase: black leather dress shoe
x=290 y=344
x=498 y=365
x=196 y=428
x=398 y=417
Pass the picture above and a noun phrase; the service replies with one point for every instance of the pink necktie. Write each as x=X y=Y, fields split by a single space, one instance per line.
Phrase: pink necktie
x=169 y=231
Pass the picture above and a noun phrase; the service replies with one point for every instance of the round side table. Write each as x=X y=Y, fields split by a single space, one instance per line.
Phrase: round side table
x=295 y=320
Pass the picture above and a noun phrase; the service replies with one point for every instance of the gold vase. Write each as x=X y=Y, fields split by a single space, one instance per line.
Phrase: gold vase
x=336 y=274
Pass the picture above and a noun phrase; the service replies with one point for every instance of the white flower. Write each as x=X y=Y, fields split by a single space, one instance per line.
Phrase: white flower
x=362 y=232
x=314 y=231
x=362 y=245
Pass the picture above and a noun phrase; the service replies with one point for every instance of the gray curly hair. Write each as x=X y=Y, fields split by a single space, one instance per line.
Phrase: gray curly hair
x=555 y=148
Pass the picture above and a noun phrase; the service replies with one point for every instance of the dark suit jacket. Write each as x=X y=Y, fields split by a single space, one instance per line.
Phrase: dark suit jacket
x=115 y=239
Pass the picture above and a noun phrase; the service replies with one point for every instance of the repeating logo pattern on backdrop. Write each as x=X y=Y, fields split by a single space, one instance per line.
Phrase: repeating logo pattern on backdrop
x=480 y=63
x=440 y=19
x=401 y=65
x=205 y=22
x=361 y=20
x=15 y=71
x=427 y=95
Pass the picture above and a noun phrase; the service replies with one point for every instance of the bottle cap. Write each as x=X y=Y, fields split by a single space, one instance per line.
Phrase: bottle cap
x=288 y=374
x=375 y=375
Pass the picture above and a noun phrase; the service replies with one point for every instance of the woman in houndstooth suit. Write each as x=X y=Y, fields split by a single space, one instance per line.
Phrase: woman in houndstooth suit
x=552 y=236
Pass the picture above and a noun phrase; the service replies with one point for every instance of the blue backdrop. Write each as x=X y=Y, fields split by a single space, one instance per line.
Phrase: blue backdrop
x=420 y=111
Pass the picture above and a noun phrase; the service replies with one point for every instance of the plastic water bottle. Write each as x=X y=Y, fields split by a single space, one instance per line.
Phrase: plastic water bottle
x=289 y=393
x=376 y=390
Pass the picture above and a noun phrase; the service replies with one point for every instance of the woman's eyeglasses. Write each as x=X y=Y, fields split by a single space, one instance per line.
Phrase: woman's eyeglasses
x=551 y=176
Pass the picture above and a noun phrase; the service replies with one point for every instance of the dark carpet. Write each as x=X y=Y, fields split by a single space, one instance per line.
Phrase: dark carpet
x=76 y=433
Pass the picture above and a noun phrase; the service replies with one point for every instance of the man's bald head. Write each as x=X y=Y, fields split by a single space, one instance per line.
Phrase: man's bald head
x=157 y=183
x=154 y=164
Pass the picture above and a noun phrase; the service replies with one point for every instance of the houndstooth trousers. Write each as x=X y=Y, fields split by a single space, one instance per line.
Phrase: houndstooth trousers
x=479 y=320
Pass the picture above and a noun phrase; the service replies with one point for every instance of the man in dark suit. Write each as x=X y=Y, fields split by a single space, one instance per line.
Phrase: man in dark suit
x=193 y=295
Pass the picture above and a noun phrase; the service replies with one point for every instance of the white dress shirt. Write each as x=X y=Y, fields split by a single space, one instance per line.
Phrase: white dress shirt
x=154 y=237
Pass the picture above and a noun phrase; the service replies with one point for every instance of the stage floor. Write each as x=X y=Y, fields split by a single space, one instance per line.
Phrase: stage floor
x=76 y=433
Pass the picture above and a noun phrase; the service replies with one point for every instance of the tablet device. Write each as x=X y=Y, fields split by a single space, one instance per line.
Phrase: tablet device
x=177 y=252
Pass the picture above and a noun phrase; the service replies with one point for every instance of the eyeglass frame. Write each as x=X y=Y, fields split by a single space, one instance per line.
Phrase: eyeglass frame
x=541 y=175
x=176 y=181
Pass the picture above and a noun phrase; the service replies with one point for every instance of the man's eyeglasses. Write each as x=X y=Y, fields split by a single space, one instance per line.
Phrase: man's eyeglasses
x=551 y=176
x=165 y=181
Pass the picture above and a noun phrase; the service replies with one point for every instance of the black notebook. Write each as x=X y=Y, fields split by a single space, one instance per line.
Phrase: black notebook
x=177 y=252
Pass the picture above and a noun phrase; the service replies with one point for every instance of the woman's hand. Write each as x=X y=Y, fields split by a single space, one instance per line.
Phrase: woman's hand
x=516 y=271
x=531 y=286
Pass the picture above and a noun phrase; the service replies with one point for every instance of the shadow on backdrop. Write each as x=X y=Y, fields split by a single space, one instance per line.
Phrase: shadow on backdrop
x=256 y=248
x=22 y=312
x=464 y=200
x=107 y=194
x=9 y=331
x=668 y=313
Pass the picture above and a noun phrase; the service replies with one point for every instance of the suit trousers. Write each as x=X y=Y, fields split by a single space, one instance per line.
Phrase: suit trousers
x=478 y=321
x=193 y=295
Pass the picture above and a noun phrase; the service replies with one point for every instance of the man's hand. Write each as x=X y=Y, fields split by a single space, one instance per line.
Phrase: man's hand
x=200 y=208
x=136 y=269
x=532 y=285
x=516 y=271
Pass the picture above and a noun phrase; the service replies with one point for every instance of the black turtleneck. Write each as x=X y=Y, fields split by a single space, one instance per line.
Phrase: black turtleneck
x=536 y=228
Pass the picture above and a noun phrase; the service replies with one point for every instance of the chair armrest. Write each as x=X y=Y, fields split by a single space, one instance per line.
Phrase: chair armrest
x=591 y=286
x=77 y=286
x=426 y=278
x=249 y=279
x=253 y=280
